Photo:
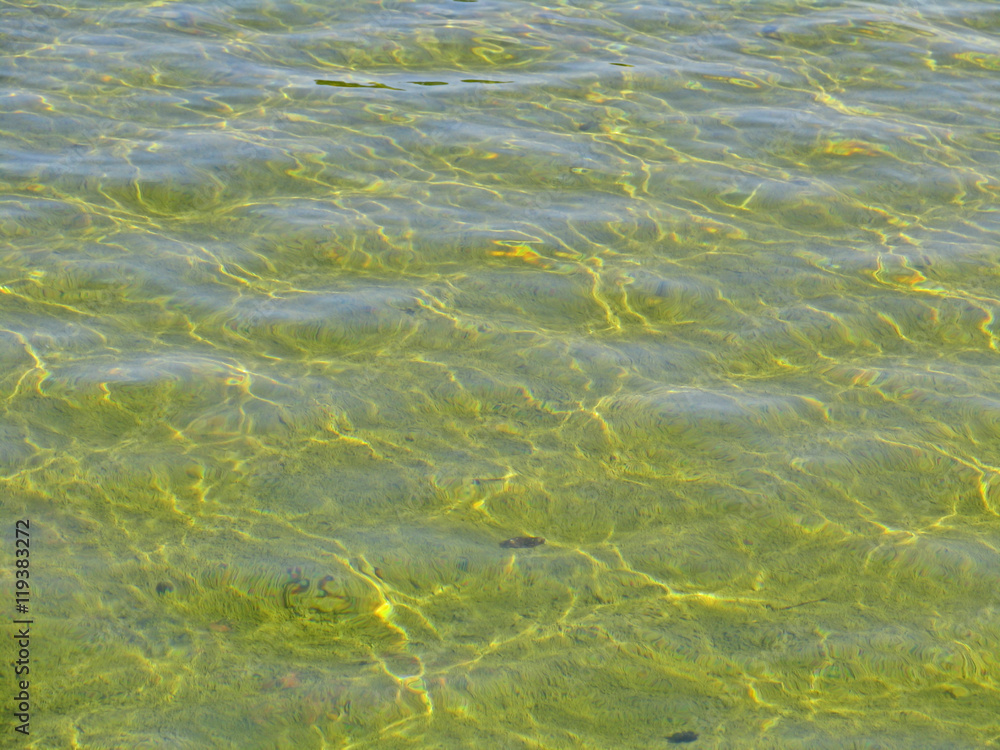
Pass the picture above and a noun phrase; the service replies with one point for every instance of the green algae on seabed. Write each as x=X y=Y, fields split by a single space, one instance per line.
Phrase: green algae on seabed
x=703 y=295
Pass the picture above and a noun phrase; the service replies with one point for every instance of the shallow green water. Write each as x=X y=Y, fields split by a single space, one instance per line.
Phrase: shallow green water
x=306 y=308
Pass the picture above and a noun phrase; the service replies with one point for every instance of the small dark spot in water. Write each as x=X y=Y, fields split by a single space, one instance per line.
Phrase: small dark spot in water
x=678 y=737
x=522 y=542
x=322 y=586
x=348 y=85
x=770 y=30
x=164 y=587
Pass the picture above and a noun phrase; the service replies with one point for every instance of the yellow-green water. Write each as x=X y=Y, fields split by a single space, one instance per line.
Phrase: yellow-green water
x=306 y=308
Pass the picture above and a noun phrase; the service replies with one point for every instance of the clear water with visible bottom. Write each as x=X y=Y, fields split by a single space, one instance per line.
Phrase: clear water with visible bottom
x=307 y=308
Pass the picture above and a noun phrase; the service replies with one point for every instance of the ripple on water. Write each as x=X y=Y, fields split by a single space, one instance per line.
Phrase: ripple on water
x=699 y=416
x=327 y=323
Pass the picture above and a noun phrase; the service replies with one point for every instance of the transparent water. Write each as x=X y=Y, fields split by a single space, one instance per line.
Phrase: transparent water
x=307 y=307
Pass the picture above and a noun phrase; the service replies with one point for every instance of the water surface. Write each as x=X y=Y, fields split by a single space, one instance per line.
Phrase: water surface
x=307 y=307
